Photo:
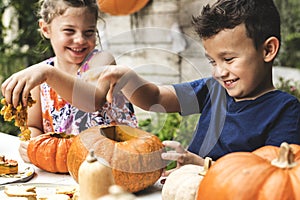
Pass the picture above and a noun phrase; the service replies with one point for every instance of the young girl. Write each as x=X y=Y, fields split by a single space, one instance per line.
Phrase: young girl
x=63 y=98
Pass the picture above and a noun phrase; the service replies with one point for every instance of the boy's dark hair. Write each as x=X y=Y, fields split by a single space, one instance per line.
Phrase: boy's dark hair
x=260 y=17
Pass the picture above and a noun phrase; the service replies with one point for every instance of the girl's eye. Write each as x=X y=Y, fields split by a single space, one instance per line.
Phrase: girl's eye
x=69 y=31
x=90 y=33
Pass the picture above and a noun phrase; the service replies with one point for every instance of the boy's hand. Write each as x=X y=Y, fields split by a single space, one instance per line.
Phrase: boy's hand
x=181 y=155
x=112 y=77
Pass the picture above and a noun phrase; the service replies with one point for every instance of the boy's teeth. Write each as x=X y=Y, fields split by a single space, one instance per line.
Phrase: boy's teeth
x=230 y=81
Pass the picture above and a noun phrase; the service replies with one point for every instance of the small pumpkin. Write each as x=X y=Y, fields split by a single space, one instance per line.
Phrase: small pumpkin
x=267 y=173
x=183 y=183
x=133 y=154
x=121 y=7
x=95 y=178
x=49 y=151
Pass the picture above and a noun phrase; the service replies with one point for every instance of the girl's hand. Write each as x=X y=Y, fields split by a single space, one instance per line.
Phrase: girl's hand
x=181 y=155
x=23 y=151
x=17 y=87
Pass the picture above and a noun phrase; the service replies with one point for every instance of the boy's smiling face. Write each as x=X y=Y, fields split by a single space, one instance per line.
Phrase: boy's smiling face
x=237 y=65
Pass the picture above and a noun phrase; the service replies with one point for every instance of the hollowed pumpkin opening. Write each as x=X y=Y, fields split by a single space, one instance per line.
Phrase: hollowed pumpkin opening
x=120 y=133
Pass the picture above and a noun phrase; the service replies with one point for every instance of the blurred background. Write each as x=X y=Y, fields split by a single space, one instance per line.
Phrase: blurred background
x=155 y=38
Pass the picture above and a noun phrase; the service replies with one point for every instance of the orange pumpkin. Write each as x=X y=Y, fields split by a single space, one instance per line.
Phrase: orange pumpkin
x=134 y=155
x=268 y=173
x=121 y=7
x=49 y=151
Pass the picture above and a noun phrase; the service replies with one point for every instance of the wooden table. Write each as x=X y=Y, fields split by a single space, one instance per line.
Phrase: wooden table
x=9 y=147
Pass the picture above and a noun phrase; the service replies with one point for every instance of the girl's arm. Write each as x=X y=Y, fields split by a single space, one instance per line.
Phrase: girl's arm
x=35 y=122
x=81 y=94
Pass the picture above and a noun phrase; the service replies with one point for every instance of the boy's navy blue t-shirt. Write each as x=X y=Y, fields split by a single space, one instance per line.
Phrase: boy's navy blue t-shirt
x=227 y=126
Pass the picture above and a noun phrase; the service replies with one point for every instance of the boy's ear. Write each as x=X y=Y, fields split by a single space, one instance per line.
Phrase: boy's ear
x=271 y=47
x=44 y=28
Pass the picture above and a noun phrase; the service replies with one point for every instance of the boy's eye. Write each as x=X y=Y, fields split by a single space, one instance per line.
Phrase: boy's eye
x=228 y=59
x=212 y=62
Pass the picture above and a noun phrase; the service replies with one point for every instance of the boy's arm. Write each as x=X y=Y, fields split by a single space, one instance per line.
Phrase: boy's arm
x=140 y=92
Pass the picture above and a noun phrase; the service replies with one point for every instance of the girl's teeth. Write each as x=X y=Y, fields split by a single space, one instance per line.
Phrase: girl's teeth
x=77 y=50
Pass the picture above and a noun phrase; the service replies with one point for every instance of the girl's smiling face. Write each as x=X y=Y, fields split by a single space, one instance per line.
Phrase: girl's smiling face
x=237 y=65
x=72 y=35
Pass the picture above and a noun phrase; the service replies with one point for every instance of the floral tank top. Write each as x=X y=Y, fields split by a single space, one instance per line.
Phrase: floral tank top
x=61 y=116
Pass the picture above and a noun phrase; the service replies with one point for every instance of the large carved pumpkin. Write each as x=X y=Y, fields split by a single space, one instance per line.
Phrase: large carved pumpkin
x=267 y=173
x=121 y=7
x=49 y=151
x=134 y=155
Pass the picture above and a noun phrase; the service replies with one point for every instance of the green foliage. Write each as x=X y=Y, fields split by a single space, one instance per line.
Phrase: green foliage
x=290 y=86
x=290 y=30
x=171 y=126
x=291 y=54
x=166 y=127
x=27 y=46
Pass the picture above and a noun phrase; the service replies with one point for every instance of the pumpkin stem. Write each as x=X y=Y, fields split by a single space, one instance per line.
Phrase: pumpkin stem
x=206 y=166
x=91 y=156
x=61 y=135
x=286 y=157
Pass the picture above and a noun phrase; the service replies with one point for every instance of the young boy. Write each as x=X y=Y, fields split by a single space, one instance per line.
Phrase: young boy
x=240 y=108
